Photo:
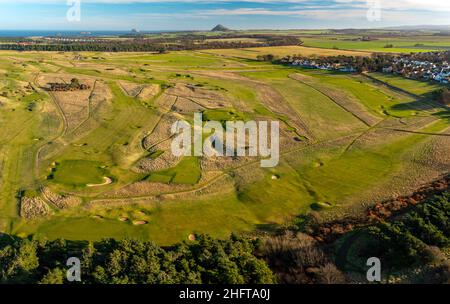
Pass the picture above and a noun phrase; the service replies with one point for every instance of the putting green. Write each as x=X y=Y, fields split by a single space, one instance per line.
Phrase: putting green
x=78 y=173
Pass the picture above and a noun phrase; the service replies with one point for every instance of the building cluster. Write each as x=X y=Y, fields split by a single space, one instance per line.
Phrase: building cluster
x=71 y=39
x=313 y=64
x=433 y=66
x=421 y=70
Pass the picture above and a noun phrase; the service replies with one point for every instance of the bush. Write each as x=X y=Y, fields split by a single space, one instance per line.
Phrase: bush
x=298 y=259
x=329 y=274
x=411 y=238
x=442 y=96
x=18 y=261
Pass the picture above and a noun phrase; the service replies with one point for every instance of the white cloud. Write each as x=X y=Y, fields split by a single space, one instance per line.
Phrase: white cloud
x=433 y=5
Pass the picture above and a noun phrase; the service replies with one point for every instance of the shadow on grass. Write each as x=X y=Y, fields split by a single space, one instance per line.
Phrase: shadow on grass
x=423 y=103
x=269 y=228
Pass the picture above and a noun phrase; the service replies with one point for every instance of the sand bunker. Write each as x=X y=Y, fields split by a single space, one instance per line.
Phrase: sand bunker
x=140 y=223
x=107 y=181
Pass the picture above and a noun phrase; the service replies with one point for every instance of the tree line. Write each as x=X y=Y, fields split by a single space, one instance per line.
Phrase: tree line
x=160 y=45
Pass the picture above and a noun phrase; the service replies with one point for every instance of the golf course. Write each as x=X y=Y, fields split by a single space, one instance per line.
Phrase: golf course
x=96 y=162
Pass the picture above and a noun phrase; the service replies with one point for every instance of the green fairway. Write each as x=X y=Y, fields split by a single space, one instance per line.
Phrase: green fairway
x=409 y=85
x=187 y=172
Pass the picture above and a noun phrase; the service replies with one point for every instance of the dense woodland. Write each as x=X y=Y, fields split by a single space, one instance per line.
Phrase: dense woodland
x=134 y=262
x=161 y=45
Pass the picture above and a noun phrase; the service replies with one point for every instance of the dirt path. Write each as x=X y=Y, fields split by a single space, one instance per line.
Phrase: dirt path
x=158 y=122
x=90 y=111
x=61 y=112
x=362 y=134
x=58 y=136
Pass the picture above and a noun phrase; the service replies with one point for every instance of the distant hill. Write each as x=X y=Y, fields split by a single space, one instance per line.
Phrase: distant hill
x=419 y=28
x=220 y=28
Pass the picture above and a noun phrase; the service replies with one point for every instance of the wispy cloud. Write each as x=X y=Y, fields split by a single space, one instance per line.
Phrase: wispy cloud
x=193 y=14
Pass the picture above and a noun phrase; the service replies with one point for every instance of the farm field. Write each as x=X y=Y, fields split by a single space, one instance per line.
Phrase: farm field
x=252 y=53
x=97 y=163
x=380 y=43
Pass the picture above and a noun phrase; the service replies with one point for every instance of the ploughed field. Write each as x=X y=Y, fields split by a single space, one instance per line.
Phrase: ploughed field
x=96 y=163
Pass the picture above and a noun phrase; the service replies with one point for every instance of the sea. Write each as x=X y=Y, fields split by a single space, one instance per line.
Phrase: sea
x=52 y=33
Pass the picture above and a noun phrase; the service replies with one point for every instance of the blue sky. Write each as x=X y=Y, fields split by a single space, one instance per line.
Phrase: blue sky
x=204 y=14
